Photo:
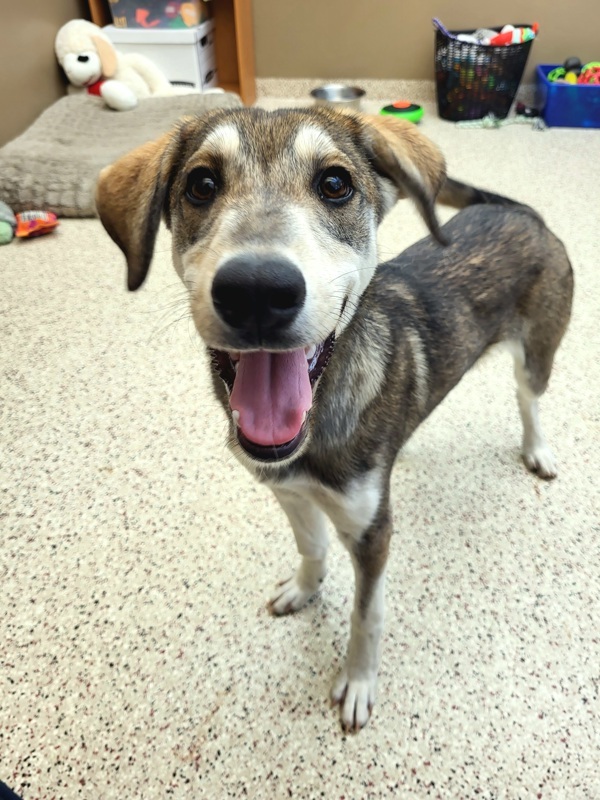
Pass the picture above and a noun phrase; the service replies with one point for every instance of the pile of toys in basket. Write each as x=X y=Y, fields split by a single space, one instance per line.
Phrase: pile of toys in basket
x=479 y=72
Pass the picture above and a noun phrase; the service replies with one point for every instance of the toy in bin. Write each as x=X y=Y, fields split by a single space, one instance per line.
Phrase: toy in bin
x=511 y=35
x=158 y=13
x=404 y=110
x=573 y=71
x=590 y=74
x=507 y=35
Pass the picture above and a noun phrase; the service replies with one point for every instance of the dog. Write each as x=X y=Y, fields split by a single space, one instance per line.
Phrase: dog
x=325 y=362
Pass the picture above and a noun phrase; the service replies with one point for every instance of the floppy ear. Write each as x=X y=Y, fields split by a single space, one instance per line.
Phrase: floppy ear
x=107 y=54
x=415 y=167
x=130 y=196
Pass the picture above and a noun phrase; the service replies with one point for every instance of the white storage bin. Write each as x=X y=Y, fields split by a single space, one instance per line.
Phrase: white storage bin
x=185 y=55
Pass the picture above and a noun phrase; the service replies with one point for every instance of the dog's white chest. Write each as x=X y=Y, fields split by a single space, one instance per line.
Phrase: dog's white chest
x=351 y=511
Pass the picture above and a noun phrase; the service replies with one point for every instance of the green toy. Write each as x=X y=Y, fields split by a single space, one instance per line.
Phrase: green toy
x=8 y=223
x=405 y=110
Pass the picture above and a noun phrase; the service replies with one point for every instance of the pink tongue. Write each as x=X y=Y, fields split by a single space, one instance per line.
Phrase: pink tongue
x=272 y=392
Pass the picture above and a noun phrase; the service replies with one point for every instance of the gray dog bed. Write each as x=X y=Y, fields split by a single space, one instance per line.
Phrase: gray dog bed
x=53 y=166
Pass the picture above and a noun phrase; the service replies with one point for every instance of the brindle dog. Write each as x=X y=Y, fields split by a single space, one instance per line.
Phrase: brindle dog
x=324 y=362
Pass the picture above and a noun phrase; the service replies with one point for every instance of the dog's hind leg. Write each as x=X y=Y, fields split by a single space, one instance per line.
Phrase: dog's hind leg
x=309 y=524
x=545 y=311
x=532 y=371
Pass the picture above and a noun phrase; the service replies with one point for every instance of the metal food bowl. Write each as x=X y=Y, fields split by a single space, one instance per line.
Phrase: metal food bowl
x=338 y=95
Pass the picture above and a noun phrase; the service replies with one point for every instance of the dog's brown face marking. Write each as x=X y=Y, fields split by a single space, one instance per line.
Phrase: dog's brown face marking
x=274 y=219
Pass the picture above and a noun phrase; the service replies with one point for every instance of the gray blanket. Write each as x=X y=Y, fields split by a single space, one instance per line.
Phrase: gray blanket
x=53 y=166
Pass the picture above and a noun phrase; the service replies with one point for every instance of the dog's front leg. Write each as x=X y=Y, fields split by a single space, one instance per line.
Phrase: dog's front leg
x=310 y=529
x=355 y=688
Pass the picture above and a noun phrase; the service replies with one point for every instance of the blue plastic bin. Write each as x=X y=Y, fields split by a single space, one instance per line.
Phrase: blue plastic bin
x=566 y=105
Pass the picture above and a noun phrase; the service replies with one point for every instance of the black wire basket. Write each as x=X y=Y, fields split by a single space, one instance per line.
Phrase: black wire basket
x=474 y=80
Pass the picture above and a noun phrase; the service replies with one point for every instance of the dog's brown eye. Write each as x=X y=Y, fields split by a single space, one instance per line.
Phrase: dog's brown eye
x=335 y=185
x=201 y=186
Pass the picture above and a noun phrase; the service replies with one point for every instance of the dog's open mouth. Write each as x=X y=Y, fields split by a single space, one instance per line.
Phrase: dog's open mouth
x=271 y=394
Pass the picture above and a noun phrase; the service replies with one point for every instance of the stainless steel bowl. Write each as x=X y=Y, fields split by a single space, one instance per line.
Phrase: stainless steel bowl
x=338 y=95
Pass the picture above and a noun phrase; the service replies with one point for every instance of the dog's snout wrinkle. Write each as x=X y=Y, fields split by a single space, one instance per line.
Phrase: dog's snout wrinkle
x=258 y=295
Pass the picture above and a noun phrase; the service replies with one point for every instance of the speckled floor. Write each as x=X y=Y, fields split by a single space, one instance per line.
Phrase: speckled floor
x=138 y=659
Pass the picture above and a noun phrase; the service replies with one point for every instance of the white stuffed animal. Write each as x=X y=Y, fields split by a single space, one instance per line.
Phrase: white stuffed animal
x=92 y=65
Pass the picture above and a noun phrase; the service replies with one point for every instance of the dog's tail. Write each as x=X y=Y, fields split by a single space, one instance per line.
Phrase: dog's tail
x=460 y=195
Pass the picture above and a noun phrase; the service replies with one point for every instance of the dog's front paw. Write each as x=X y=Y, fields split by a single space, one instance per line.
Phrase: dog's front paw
x=289 y=596
x=356 y=698
x=540 y=459
x=293 y=594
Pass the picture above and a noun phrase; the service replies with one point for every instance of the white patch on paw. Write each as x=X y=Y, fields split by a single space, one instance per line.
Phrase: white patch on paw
x=540 y=459
x=356 y=698
x=290 y=596
x=294 y=593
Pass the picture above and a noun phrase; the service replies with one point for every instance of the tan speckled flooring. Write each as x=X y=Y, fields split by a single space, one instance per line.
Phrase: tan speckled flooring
x=138 y=659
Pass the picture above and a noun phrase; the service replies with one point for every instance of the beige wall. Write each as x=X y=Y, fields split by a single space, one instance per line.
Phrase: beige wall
x=30 y=78
x=394 y=38
x=300 y=39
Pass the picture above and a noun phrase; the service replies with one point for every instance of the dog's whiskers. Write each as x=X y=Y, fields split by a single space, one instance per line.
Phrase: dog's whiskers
x=351 y=272
x=170 y=324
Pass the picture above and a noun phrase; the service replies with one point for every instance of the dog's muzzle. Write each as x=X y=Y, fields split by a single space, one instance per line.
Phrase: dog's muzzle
x=270 y=379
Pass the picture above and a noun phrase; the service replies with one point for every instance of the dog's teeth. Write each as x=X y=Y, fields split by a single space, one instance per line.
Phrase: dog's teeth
x=235 y=355
x=236 y=417
x=304 y=418
x=310 y=351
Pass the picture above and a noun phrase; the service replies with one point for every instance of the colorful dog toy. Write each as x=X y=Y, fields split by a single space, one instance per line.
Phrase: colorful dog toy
x=590 y=73
x=508 y=35
x=573 y=72
x=511 y=35
x=405 y=110
x=35 y=223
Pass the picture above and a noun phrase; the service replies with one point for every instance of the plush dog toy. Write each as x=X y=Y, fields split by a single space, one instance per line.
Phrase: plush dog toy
x=92 y=65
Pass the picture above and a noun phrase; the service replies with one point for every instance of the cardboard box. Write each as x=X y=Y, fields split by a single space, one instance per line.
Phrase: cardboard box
x=186 y=56
x=151 y=14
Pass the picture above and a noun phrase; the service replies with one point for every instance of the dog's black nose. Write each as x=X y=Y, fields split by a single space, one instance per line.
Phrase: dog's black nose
x=258 y=295
x=83 y=59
